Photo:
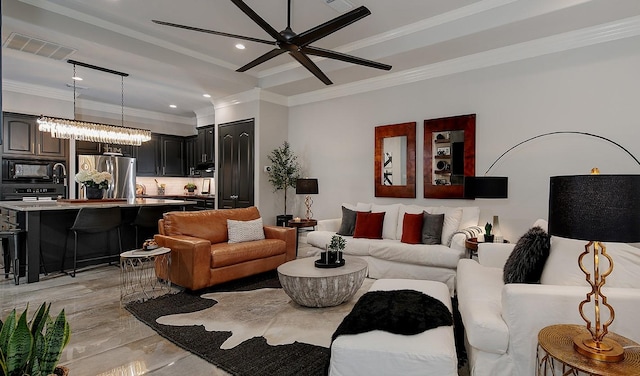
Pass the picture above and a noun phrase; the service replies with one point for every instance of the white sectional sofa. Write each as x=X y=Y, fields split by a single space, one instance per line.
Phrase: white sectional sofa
x=502 y=321
x=390 y=258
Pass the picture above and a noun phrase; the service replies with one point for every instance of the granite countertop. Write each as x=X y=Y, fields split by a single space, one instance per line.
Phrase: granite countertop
x=181 y=196
x=55 y=205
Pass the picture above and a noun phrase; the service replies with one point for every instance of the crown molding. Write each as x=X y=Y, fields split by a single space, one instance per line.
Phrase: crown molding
x=626 y=28
x=83 y=104
x=37 y=90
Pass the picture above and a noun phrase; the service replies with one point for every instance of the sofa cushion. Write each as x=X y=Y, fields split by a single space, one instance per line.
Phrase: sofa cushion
x=412 y=228
x=245 y=231
x=206 y=224
x=470 y=217
x=356 y=247
x=390 y=224
x=437 y=255
x=348 y=223
x=432 y=228
x=562 y=266
x=225 y=254
x=369 y=225
x=452 y=217
x=526 y=261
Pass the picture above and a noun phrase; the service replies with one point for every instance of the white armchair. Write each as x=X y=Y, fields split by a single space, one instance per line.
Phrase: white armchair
x=502 y=321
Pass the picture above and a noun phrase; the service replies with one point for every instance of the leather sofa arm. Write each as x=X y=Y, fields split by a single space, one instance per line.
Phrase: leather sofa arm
x=190 y=260
x=288 y=234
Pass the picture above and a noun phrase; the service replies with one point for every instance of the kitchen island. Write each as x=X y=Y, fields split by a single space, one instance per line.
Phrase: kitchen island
x=44 y=227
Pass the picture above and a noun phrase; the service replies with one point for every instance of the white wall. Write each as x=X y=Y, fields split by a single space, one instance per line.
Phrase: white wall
x=592 y=89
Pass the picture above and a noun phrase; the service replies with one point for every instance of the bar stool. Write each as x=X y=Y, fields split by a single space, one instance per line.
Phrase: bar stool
x=11 y=255
x=92 y=221
x=147 y=218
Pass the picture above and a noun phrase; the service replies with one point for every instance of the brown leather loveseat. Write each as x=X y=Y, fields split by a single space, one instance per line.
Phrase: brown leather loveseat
x=201 y=255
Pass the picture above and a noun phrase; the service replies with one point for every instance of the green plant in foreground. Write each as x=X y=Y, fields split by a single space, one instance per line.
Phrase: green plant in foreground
x=32 y=348
x=337 y=243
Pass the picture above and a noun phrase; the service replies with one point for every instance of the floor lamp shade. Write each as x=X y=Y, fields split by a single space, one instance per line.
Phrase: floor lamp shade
x=602 y=208
x=486 y=187
x=307 y=186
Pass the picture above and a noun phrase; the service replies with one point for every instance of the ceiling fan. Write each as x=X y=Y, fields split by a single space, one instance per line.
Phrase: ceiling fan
x=297 y=45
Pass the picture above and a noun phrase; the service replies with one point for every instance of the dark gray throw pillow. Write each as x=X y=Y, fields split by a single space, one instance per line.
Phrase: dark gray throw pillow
x=528 y=257
x=348 y=224
x=432 y=228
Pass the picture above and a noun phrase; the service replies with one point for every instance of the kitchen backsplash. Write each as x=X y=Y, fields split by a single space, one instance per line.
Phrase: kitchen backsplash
x=174 y=186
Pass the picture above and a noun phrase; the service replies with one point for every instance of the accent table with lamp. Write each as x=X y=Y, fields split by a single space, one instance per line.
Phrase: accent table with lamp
x=299 y=223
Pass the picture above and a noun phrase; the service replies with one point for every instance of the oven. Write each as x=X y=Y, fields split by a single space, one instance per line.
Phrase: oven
x=18 y=191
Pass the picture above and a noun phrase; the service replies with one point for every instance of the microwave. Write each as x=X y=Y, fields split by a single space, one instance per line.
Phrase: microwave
x=27 y=170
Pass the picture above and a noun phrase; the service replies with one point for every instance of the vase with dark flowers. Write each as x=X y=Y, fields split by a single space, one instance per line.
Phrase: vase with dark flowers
x=94 y=182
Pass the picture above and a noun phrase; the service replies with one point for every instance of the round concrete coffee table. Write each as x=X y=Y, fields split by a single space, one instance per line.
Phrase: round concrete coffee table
x=315 y=287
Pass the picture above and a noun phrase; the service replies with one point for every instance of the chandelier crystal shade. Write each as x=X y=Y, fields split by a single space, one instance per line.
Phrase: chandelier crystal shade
x=94 y=132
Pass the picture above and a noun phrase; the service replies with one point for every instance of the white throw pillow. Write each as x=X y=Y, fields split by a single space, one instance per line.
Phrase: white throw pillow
x=390 y=224
x=470 y=217
x=452 y=217
x=245 y=231
x=562 y=266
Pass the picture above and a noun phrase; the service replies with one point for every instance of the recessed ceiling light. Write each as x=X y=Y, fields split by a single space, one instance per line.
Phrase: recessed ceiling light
x=206 y=95
x=240 y=46
x=173 y=106
x=76 y=78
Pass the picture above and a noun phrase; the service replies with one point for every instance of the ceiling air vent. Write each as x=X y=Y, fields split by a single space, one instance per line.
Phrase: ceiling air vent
x=38 y=47
x=340 y=6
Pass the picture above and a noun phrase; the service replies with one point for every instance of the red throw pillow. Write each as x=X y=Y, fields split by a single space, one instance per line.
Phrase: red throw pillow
x=412 y=228
x=369 y=225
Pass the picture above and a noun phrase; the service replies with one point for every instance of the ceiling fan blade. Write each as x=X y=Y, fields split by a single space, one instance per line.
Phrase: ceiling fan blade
x=269 y=42
x=311 y=67
x=257 y=19
x=330 y=27
x=315 y=51
x=268 y=56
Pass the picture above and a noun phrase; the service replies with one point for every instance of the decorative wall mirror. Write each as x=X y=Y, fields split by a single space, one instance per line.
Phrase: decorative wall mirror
x=449 y=155
x=395 y=160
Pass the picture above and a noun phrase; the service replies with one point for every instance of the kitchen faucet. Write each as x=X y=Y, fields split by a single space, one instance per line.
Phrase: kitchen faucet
x=64 y=174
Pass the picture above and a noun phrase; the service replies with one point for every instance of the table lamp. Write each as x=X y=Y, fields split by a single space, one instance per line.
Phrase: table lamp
x=307 y=187
x=596 y=208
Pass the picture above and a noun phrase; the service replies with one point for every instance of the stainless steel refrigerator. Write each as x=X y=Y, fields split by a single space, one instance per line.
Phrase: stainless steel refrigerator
x=122 y=169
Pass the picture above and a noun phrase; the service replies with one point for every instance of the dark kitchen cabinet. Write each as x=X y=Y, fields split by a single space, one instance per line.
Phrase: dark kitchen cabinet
x=148 y=157
x=205 y=150
x=172 y=156
x=95 y=148
x=235 y=176
x=21 y=138
x=190 y=150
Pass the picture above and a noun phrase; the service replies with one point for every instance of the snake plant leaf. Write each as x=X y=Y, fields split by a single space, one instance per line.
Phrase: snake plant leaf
x=19 y=346
x=55 y=339
x=7 y=328
x=40 y=319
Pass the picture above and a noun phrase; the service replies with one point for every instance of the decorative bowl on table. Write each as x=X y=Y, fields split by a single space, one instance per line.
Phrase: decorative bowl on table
x=149 y=245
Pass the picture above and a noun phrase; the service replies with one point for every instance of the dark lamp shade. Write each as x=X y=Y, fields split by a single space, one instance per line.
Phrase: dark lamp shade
x=486 y=187
x=602 y=208
x=307 y=186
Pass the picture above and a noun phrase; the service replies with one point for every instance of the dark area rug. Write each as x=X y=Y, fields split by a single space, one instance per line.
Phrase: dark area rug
x=252 y=357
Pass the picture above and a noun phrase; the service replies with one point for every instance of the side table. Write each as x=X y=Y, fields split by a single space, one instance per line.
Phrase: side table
x=471 y=244
x=556 y=356
x=301 y=224
x=138 y=277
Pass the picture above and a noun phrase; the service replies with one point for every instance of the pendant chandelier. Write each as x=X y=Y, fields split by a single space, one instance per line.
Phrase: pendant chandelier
x=94 y=132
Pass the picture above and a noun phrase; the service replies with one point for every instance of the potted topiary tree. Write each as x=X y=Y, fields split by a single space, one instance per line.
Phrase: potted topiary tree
x=283 y=174
x=33 y=347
